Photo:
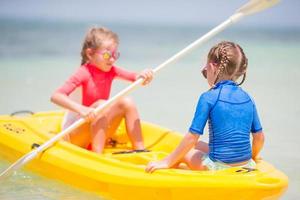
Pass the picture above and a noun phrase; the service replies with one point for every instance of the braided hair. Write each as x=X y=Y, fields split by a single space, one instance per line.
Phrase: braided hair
x=231 y=60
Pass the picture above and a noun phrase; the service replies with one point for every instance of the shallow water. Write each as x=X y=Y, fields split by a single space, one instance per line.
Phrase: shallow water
x=26 y=185
x=36 y=57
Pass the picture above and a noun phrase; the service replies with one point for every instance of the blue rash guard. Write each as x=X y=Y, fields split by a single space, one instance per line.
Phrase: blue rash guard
x=231 y=115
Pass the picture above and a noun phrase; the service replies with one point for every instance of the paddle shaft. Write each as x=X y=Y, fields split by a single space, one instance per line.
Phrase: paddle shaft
x=234 y=18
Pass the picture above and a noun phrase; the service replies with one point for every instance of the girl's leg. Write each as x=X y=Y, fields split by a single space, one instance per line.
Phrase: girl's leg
x=133 y=124
x=98 y=133
x=106 y=124
x=202 y=146
x=98 y=129
x=81 y=136
x=193 y=160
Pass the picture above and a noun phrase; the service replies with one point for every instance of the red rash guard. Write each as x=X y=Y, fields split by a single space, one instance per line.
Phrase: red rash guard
x=96 y=84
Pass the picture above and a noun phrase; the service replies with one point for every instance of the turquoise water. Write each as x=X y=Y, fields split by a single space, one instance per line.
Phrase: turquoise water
x=36 y=57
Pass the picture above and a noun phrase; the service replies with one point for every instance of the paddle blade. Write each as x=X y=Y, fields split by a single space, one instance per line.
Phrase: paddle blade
x=254 y=6
x=18 y=164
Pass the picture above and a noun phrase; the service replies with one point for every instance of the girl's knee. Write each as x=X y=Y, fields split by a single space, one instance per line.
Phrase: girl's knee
x=193 y=160
x=202 y=146
x=127 y=103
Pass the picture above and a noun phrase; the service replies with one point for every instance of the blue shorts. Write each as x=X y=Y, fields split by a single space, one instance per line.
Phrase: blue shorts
x=211 y=165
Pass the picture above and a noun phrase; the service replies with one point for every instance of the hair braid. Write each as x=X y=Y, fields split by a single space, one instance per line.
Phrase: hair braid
x=224 y=58
x=231 y=60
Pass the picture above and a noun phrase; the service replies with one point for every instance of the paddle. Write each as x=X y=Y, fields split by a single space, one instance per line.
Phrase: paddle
x=251 y=7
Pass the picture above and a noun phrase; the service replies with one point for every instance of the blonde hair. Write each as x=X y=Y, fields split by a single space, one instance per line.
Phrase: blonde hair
x=231 y=60
x=94 y=39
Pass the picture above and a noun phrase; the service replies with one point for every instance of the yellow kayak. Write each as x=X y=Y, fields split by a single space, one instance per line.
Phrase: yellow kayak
x=119 y=173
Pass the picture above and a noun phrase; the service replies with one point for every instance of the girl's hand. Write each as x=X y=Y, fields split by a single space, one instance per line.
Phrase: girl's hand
x=152 y=166
x=147 y=75
x=87 y=113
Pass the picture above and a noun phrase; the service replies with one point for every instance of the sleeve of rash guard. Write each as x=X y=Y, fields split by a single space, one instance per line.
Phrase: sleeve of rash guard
x=124 y=74
x=256 y=125
x=200 y=116
x=73 y=82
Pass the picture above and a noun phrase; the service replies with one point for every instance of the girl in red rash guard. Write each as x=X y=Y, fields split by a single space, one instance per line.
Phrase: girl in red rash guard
x=95 y=76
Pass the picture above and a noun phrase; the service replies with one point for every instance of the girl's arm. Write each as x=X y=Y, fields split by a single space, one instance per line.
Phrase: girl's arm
x=146 y=74
x=258 y=140
x=177 y=155
x=64 y=101
x=61 y=95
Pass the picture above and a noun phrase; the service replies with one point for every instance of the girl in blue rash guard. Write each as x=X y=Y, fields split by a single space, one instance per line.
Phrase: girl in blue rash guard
x=231 y=114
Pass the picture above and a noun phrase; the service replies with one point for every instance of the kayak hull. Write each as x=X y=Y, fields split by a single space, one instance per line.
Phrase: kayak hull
x=117 y=173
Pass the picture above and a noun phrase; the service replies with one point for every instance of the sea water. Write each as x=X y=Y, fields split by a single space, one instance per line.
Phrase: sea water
x=37 y=56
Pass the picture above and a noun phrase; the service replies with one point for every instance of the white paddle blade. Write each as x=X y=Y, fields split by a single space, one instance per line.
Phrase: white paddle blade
x=18 y=164
x=254 y=6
